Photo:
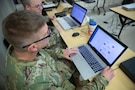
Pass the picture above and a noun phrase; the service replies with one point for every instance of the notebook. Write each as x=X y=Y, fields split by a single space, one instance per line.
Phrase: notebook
x=75 y=19
x=129 y=6
x=101 y=50
x=128 y=67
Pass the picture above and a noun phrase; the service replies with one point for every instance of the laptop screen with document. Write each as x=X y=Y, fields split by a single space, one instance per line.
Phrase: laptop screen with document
x=106 y=45
x=78 y=13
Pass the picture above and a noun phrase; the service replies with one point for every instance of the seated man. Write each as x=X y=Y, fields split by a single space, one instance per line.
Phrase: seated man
x=29 y=66
x=56 y=46
x=35 y=5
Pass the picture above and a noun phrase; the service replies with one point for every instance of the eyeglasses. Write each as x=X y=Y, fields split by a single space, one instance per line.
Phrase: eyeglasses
x=37 y=6
x=49 y=34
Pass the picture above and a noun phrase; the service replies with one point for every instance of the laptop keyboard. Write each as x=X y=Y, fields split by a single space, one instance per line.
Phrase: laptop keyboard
x=91 y=60
x=70 y=22
x=63 y=23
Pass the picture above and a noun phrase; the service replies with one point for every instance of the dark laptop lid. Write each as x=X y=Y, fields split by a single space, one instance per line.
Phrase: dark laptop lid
x=128 y=67
x=106 y=46
x=78 y=13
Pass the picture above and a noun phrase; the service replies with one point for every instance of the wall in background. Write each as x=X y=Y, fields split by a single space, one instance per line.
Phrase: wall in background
x=6 y=7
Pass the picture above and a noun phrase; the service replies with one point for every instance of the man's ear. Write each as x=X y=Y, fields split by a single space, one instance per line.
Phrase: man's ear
x=32 y=48
x=27 y=7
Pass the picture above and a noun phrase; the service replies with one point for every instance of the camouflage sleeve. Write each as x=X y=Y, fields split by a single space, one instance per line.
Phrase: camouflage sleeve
x=55 y=40
x=65 y=86
x=14 y=79
x=98 y=83
x=47 y=18
x=55 y=53
x=55 y=45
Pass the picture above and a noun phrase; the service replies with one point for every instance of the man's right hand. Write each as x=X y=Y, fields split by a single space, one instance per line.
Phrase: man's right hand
x=67 y=52
x=108 y=73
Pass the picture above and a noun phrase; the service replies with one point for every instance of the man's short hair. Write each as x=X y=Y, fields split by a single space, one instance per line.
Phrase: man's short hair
x=20 y=28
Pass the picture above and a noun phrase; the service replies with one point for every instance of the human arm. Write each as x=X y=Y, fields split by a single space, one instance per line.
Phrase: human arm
x=67 y=52
x=100 y=81
x=62 y=53
x=55 y=53
x=48 y=18
x=52 y=17
x=44 y=13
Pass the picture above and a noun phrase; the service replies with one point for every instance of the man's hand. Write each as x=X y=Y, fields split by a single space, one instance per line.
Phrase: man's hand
x=67 y=52
x=52 y=17
x=108 y=73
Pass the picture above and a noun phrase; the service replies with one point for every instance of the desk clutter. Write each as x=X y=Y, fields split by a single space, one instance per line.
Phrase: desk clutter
x=47 y=6
x=50 y=4
x=128 y=67
x=60 y=14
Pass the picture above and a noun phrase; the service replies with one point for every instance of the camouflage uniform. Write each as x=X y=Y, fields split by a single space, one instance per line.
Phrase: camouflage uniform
x=55 y=40
x=55 y=47
x=44 y=73
x=56 y=43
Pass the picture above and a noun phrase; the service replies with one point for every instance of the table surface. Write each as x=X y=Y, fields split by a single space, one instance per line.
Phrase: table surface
x=120 y=81
x=119 y=10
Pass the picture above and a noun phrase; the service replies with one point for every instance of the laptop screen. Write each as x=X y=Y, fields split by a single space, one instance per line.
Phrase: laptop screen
x=78 y=13
x=106 y=45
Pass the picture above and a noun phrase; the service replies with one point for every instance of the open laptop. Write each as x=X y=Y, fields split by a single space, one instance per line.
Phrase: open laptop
x=75 y=19
x=129 y=6
x=101 y=50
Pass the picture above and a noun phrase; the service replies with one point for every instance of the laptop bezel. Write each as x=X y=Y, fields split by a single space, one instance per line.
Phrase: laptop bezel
x=75 y=18
x=125 y=46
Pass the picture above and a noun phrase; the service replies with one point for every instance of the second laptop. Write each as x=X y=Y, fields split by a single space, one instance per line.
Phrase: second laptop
x=75 y=19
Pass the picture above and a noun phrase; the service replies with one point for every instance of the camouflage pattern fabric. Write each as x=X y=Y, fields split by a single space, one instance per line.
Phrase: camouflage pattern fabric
x=47 y=18
x=56 y=44
x=55 y=39
x=44 y=73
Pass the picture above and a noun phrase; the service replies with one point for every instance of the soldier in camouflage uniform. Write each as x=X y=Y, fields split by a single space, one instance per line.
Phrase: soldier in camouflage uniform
x=36 y=5
x=29 y=66
x=56 y=46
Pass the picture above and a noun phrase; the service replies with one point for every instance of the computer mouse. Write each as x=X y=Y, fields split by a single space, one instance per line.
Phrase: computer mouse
x=75 y=34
